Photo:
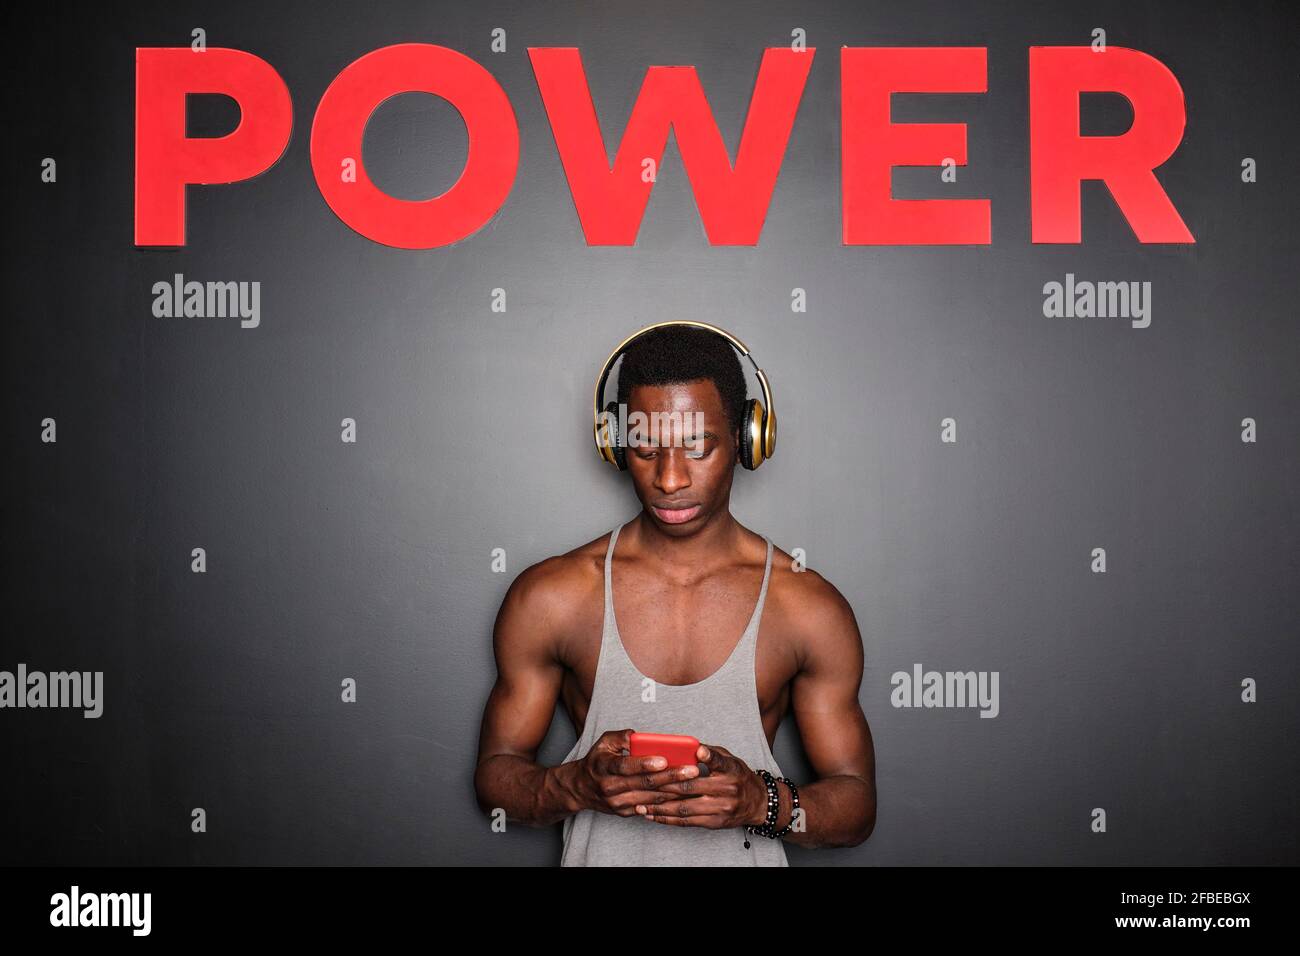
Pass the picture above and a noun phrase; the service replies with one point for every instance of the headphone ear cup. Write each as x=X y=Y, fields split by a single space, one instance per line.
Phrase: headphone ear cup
x=751 y=452
x=617 y=449
x=759 y=451
x=604 y=438
x=769 y=434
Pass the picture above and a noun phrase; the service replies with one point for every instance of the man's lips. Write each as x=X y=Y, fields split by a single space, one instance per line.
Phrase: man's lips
x=675 y=515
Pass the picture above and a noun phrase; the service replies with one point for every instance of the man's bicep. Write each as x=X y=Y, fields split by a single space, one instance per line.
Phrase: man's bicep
x=529 y=674
x=824 y=693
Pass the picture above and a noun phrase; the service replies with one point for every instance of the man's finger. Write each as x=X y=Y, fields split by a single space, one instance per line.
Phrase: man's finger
x=654 y=763
x=651 y=780
x=710 y=821
x=616 y=741
x=641 y=800
x=699 y=787
x=715 y=758
x=705 y=806
x=628 y=765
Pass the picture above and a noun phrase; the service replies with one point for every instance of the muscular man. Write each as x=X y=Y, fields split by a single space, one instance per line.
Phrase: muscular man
x=637 y=630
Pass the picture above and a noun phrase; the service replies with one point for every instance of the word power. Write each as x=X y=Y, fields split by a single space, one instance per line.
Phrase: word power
x=733 y=198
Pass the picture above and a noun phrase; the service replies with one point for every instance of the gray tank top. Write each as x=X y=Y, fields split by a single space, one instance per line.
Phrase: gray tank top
x=721 y=709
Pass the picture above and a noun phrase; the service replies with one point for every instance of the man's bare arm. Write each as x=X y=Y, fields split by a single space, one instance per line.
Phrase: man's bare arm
x=526 y=640
x=521 y=705
x=839 y=807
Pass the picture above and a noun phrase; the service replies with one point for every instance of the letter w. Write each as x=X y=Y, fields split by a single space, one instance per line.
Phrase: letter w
x=611 y=203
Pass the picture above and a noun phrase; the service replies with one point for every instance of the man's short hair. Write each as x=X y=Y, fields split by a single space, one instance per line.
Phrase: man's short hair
x=678 y=354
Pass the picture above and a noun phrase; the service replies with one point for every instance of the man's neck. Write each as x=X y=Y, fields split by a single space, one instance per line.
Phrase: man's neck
x=714 y=545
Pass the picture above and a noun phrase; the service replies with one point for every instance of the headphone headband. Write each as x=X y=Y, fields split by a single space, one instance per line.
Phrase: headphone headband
x=767 y=438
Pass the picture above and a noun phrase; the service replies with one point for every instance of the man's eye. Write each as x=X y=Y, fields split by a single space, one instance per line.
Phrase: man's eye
x=698 y=454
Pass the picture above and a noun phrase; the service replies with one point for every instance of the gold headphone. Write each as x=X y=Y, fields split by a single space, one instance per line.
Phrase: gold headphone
x=758 y=423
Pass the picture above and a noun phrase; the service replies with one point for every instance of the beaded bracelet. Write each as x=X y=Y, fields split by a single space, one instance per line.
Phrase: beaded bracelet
x=768 y=827
x=794 y=809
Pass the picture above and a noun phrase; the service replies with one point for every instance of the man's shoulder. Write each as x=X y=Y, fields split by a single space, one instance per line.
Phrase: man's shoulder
x=555 y=585
x=808 y=604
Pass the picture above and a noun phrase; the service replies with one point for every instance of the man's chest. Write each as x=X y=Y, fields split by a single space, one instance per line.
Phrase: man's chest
x=679 y=637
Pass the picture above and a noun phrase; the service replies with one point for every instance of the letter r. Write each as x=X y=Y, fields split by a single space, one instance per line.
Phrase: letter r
x=1060 y=158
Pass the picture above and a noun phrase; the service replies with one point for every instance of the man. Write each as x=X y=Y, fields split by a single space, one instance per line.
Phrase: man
x=683 y=575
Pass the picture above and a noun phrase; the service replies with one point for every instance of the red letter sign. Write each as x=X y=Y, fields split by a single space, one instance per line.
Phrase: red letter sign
x=732 y=202
x=872 y=145
x=490 y=166
x=1059 y=158
x=165 y=160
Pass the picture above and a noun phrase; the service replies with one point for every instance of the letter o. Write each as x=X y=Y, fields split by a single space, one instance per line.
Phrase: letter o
x=493 y=156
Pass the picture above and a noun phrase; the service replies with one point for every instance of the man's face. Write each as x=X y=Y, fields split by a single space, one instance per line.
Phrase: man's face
x=683 y=474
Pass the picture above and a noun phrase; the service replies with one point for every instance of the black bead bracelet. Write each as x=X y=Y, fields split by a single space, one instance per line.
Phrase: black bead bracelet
x=794 y=806
x=768 y=827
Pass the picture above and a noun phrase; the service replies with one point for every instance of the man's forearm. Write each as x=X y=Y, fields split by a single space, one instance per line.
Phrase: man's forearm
x=837 y=811
x=528 y=792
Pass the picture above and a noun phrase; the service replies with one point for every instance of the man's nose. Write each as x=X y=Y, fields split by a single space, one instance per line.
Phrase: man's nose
x=672 y=473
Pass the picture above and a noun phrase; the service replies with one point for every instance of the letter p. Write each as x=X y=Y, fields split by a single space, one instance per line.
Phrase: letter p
x=166 y=159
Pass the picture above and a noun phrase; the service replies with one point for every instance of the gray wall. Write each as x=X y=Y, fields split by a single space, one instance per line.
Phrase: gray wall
x=327 y=560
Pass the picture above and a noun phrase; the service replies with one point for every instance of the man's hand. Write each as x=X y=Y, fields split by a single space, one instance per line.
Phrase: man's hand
x=731 y=795
x=608 y=781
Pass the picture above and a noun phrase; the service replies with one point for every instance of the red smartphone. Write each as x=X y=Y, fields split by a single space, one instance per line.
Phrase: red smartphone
x=679 y=749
